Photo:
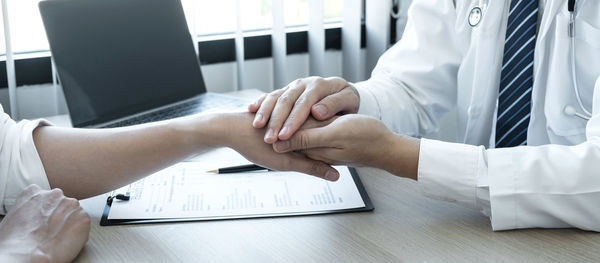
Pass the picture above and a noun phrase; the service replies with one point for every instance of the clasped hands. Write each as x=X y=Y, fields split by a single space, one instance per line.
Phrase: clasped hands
x=316 y=118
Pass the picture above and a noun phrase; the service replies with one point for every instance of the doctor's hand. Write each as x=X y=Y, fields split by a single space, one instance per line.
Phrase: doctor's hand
x=43 y=226
x=283 y=111
x=235 y=130
x=357 y=140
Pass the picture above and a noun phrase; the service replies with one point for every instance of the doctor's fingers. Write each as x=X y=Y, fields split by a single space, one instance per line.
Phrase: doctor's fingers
x=299 y=162
x=282 y=109
x=324 y=98
x=305 y=140
x=253 y=108
x=345 y=101
x=267 y=103
x=312 y=123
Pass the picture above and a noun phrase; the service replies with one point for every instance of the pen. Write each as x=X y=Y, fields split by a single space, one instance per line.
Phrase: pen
x=239 y=169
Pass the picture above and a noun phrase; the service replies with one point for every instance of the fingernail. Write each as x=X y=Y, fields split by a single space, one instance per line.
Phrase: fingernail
x=258 y=118
x=332 y=175
x=320 y=110
x=270 y=134
x=283 y=131
x=282 y=145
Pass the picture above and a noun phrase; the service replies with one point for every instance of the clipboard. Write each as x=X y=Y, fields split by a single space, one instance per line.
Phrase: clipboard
x=358 y=183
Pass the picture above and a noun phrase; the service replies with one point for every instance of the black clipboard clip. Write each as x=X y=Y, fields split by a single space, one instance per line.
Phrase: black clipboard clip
x=122 y=197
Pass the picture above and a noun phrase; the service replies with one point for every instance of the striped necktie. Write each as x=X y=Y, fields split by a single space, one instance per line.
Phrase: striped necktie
x=516 y=81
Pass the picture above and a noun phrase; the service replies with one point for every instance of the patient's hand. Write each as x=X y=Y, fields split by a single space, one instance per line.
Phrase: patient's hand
x=236 y=131
x=43 y=226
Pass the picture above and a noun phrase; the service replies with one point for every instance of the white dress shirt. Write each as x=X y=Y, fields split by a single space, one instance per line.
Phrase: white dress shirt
x=20 y=164
x=442 y=62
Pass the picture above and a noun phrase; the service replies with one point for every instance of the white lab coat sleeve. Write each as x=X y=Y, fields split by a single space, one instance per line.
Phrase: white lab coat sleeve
x=549 y=186
x=415 y=81
x=455 y=173
x=20 y=164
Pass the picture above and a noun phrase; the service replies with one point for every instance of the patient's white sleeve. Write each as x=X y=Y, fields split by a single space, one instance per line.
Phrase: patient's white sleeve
x=20 y=164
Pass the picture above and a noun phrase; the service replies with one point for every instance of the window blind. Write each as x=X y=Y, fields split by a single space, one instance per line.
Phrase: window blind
x=10 y=63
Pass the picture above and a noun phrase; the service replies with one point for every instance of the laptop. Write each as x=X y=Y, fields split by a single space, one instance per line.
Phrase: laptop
x=125 y=62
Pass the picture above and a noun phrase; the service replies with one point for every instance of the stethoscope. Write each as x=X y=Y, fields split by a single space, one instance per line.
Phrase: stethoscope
x=475 y=17
x=570 y=110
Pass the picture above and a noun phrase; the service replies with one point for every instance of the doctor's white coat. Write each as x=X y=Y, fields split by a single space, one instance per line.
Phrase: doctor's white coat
x=442 y=62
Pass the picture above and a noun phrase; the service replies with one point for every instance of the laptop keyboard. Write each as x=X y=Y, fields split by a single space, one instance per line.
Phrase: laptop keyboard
x=188 y=108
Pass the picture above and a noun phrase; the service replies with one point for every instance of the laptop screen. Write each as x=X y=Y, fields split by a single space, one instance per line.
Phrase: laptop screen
x=115 y=58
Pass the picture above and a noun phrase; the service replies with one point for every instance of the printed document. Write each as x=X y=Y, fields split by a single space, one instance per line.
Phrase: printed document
x=187 y=190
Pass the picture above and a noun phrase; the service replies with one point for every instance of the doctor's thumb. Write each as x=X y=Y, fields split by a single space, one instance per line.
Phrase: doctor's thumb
x=302 y=140
x=344 y=101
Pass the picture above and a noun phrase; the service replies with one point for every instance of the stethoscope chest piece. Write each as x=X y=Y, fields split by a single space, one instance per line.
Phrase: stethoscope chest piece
x=475 y=16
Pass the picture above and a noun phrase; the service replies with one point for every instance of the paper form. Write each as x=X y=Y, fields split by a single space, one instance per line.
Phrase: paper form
x=186 y=190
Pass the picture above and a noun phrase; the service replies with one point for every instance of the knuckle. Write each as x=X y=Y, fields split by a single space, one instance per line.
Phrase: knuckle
x=84 y=217
x=284 y=99
x=71 y=203
x=315 y=168
x=275 y=122
x=303 y=141
x=318 y=81
x=301 y=100
x=272 y=96
x=56 y=192
x=291 y=119
x=37 y=196
x=32 y=188
x=29 y=190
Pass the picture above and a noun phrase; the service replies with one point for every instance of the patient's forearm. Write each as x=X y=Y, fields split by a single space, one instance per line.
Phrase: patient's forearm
x=87 y=162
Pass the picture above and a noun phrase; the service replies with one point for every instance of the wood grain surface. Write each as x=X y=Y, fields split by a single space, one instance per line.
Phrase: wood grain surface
x=405 y=227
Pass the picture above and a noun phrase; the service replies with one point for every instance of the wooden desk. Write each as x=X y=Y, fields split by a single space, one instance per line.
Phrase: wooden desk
x=405 y=226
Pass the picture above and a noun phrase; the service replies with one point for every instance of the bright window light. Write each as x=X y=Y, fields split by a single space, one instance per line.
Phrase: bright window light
x=205 y=17
x=26 y=27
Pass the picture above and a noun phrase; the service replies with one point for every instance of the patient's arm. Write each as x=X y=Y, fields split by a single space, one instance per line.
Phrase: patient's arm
x=87 y=162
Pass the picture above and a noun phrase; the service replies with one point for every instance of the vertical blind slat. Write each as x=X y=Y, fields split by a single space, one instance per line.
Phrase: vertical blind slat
x=377 y=20
x=351 y=66
x=239 y=46
x=57 y=94
x=193 y=29
x=316 y=38
x=10 y=64
x=278 y=45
